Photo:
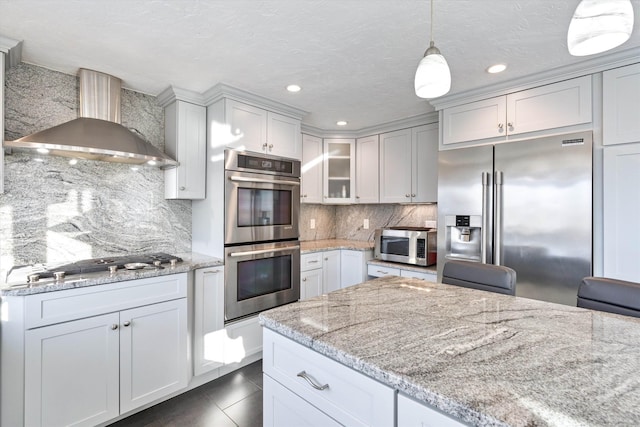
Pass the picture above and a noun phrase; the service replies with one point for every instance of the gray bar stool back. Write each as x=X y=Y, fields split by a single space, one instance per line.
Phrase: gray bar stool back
x=486 y=277
x=611 y=295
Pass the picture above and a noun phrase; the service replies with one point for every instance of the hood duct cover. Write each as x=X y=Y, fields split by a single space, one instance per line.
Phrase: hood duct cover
x=97 y=134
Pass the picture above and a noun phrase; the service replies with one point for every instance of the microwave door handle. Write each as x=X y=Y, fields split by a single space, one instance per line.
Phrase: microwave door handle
x=263 y=181
x=262 y=251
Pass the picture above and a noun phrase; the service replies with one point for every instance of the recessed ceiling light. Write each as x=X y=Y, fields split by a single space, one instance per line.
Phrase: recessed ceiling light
x=497 y=68
x=341 y=123
x=294 y=88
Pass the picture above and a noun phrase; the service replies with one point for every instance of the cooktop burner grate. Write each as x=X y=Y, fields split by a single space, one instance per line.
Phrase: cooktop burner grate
x=103 y=264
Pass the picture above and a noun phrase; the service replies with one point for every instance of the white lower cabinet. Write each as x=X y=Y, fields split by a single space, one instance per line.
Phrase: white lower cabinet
x=429 y=277
x=412 y=413
x=87 y=370
x=325 y=389
x=375 y=270
x=328 y=271
x=208 y=317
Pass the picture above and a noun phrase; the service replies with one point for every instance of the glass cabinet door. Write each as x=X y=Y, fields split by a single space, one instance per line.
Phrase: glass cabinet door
x=339 y=170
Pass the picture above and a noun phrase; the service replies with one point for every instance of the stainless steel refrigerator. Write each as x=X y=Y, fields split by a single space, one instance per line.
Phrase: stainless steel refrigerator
x=526 y=205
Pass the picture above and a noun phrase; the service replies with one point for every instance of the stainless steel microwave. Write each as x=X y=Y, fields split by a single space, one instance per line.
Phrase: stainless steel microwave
x=407 y=245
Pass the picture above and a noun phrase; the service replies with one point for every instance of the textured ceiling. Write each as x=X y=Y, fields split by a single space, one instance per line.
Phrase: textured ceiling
x=355 y=59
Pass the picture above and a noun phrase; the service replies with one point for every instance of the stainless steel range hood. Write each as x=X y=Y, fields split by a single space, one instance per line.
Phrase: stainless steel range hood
x=97 y=134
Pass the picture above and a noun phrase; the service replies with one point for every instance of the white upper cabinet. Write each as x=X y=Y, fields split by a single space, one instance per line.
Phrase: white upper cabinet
x=339 y=171
x=553 y=106
x=621 y=105
x=311 y=170
x=185 y=134
x=261 y=131
x=409 y=165
x=367 y=170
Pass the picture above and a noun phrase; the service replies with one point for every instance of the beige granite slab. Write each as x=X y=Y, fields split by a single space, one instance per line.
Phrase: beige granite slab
x=331 y=244
x=485 y=358
x=190 y=261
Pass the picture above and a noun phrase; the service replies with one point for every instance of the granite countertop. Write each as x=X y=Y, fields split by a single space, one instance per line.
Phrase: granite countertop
x=190 y=261
x=331 y=244
x=432 y=269
x=485 y=358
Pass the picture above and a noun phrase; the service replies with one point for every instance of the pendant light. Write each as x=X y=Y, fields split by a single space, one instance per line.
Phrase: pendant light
x=599 y=25
x=433 y=77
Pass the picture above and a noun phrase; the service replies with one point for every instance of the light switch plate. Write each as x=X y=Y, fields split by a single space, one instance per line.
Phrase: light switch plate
x=365 y=225
x=312 y=224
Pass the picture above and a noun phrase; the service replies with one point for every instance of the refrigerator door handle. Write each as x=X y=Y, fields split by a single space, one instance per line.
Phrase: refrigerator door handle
x=497 y=245
x=486 y=190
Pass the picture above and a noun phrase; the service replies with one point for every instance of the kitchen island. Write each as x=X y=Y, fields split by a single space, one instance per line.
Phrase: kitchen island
x=478 y=357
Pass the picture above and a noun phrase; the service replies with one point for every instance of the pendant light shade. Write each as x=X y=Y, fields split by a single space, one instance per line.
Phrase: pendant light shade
x=599 y=25
x=433 y=77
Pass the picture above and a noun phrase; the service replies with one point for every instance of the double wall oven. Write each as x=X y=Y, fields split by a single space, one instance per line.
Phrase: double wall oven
x=262 y=251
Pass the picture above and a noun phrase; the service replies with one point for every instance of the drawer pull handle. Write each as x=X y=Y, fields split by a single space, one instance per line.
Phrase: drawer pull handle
x=304 y=375
x=383 y=272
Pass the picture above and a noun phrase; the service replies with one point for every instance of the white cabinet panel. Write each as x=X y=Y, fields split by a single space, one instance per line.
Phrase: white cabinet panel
x=331 y=271
x=621 y=105
x=473 y=121
x=311 y=283
x=71 y=372
x=412 y=413
x=367 y=170
x=248 y=126
x=552 y=106
x=208 y=318
x=395 y=166
x=186 y=141
x=283 y=136
x=353 y=266
x=311 y=167
x=424 y=178
x=621 y=212
x=153 y=352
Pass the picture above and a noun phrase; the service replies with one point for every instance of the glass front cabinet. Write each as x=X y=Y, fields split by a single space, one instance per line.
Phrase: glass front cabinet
x=339 y=171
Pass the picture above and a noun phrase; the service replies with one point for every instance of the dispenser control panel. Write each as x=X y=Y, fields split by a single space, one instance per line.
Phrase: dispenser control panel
x=463 y=220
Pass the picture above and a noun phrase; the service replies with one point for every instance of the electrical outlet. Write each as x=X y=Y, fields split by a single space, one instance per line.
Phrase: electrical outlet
x=365 y=225
x=312 y=224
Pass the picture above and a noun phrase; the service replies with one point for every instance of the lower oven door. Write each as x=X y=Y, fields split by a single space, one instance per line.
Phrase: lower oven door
x=261 y=276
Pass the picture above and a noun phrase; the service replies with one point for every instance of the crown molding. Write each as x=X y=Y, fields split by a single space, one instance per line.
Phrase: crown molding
x=222 y=90
x=172 y=94
x=554 y=75
x=408 y=122
x=12 y=50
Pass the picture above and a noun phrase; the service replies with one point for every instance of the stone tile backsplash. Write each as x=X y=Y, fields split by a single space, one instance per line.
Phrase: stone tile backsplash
x=346 y=222
x=53 y=211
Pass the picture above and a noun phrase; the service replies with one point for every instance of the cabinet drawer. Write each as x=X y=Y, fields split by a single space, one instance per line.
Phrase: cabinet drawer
x=429 y=277
x=350 y=397
x=374 y=270
x=61 y=306
x=412 y=413
x=310 y=261
x=284 y=408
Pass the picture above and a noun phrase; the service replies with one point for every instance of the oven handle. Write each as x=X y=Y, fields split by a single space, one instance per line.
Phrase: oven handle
x=262 y=251
x=262 y=180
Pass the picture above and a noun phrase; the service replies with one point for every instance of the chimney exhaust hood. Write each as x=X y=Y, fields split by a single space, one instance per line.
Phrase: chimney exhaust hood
x=97 y=134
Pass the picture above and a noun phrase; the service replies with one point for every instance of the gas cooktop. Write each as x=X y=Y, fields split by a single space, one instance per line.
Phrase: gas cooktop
x=100 y=264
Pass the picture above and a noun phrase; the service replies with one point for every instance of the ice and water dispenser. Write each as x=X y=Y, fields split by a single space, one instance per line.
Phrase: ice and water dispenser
x=463 y=237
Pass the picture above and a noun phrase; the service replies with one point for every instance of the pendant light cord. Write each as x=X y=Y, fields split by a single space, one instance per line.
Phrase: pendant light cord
x=431 y=34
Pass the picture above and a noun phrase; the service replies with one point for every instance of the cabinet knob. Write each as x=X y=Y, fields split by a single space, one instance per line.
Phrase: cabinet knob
x=326 y=259
x=413 y=195
x=127 y=323
x=183 y=188
x=114 y=327
x=500 y=126
x=407 y=195
x=510 y=126
x=264 y=146
x=304 y=280
x=270 y=147
x=357 y=197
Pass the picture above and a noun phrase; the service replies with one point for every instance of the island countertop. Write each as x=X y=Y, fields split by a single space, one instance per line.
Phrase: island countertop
x=484 y=358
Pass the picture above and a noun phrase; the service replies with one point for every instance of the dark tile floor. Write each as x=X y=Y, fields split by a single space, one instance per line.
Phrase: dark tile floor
x=232 y=400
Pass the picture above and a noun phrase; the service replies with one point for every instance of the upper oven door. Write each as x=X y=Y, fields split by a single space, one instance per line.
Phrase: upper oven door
x=260 y=207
